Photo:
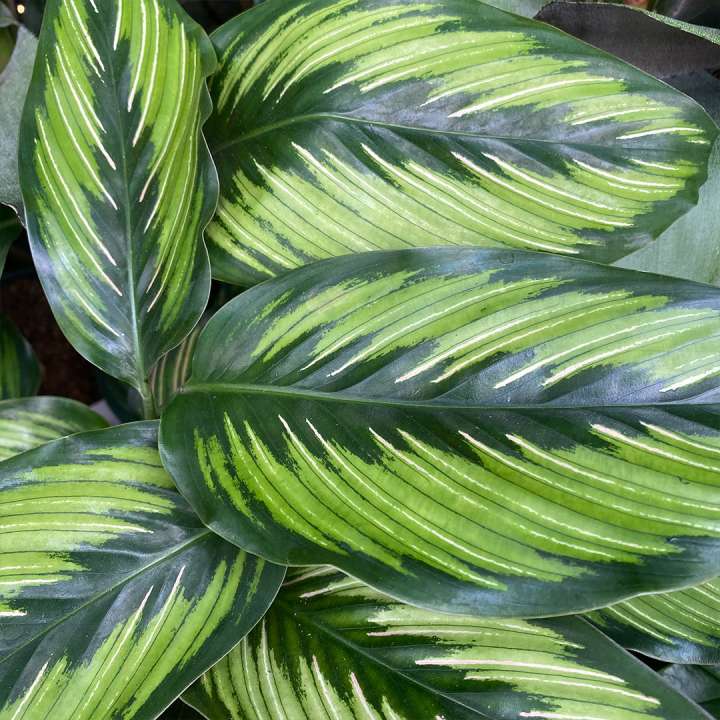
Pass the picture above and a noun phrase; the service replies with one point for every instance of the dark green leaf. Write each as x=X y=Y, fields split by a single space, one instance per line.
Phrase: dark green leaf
x=478 y=431
x=117 y=180
x=9 y=231
x=14 y=80
x=702 y=684
x=19 y=368
x=330 y=648
x=113 y=596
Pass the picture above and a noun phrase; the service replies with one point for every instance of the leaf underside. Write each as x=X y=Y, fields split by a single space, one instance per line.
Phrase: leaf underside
x=113 y=597
x=478 y=431
x=330 y=648
x=117 y=180
x=341 y=127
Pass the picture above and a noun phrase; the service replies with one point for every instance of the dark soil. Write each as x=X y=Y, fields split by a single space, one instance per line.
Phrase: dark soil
x=65 y=373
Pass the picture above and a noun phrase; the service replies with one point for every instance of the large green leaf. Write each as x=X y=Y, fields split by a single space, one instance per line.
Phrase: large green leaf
x=332 y=648
x=480 y=431
x=29 y=422
x=113 y=596
x=19 y=368
x=681 y=626
x=702 y=684
x=378 y=124
x=14 y=80
x=116 y=177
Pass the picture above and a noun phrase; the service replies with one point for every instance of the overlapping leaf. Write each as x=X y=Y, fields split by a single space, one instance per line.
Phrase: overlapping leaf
x=681 y=626
x=116 y=177
x=331 y=648
x=19 y=368
x=14 y=80
x=378 y=124
x=113 y=597
x=702 y=684
x=9 y=231
x=29 y=422
x=479 y=431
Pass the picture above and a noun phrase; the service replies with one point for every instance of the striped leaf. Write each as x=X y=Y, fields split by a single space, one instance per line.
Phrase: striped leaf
x=19 y=368
x=330 y=648
x=113 y=596
x=30 y=422
x=702 y=684
x=451 y=426
x=681 y=626
x=116 y=177
x=359 y=125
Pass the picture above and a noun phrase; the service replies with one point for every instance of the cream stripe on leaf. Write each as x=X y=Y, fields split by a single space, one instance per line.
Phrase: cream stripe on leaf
x=29 y=422
x=681 y=626
x=458 y=419
x=19 y=368
x=357 y=125
x=117 y=179
x=113 y=596
x=331 y=648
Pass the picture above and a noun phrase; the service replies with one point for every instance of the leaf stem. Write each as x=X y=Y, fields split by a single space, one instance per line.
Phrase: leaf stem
x=148 y=401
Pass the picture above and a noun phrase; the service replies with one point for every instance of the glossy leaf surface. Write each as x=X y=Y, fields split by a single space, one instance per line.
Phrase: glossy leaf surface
x=113 y=596
x=14 y=80
x=681 y=626
x=19 y=368
x=376 y=124
x=473 y=430
x=701 y=683
x=117 y=180
x=330 y=648
x=29 y=422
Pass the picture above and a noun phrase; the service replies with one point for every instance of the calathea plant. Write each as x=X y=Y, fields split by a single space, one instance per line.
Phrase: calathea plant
x=491 y=458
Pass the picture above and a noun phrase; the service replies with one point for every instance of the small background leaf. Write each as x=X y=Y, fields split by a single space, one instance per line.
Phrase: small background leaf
x=19 y=368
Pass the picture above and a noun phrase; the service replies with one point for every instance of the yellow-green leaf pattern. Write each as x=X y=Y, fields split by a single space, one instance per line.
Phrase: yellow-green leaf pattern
x=117 y=180
x=331 y=648
x=113 y=597
x=681 y=626
x=357 y=125
x=478 y=431
x=29 y=422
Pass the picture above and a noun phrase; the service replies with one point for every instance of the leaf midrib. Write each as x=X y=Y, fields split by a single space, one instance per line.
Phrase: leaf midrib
x=298 y=615
x=340 y=117
x=353 y=399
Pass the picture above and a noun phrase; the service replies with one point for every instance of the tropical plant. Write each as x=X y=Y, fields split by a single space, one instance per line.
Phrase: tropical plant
x=490 y=458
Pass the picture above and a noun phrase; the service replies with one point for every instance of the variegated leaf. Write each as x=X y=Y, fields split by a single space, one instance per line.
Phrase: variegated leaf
x=702 y=684
x=29 y=422
x=359 y=125
x=478 y=431
x=681 y=626
x=19 y=368
x=113 y=596
x=116 y=177
x=331 y=648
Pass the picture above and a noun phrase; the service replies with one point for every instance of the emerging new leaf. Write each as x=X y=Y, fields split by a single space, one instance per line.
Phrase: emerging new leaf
x=116 y=177
x=452 y=427
x=331 y=648
x=113 y=596
x=361 y=125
